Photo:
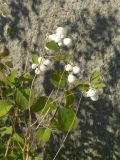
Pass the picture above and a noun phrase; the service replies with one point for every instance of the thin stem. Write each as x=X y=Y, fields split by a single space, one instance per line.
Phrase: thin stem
x=68 y=130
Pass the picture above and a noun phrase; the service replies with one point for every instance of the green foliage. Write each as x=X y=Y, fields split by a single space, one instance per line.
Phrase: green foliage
x=11 y=78
x=59 y=79
x=64 y=57
x=9 y=64
x=35 y=59
x=4 y=54
x=95 y=80
x=66 y=118
x=43 y=134
x=6 y=130
x=18 y=138
x=53 y=46
x=2 y=66
x=82 y=86
x=5 y=106
x=22 y=97
x=43 y=104
x=9 y=31
x=69 y=98
x=2 y=77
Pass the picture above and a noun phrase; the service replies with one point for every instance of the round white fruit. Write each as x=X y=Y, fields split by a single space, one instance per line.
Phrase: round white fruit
x=67 y=42
x=40 y=59
x=68 y=67
x=91 y=93
x=71 y=78
x=94 y=98
x=43 y=68
x=61 y=32
x=76 y=69
x=34 y=66
x=52 y=37
x=37 y=71
x=47 y=62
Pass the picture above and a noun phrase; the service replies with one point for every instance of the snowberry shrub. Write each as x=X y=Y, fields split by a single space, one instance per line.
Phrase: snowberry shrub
x=19 y=108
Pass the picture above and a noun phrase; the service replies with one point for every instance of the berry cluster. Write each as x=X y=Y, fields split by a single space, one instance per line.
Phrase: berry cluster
x=74 y=70
x=94 y=93
x=60 y=37
x=42 y=65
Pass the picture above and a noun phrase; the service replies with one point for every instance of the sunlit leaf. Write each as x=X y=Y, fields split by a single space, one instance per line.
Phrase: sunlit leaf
x=95 y=77
x=11 y=78
x=18 y=138
x=22 y=97
x=35 y=59
x=5 y=106
x=43 y=134
x=52 y=45
x=6 y=130
x=69 y=98
x=82 y=86
x=99 y=85
x=66 y=118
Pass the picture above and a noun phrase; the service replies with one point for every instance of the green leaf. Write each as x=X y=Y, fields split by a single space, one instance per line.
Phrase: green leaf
x=59 y=79
x=82 y=86
x=52 y=45
x=66 y=118
x=9 y=31
x=6 y=130
x=2 y=66
x=64 y=57
x=22 y=97
x=99 y=85
x=18 y=138
x=11 y=78
x=4 y=54
x=35 y=59
x=26 y=77
x=43 y=104
x=54 y=123
x=2 y=77
x=9 y=64
x=69 y=98
x=95 y=77
x=5 y=106
x=43 y=134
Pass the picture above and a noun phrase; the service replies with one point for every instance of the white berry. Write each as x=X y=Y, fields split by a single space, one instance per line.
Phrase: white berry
x=52 y=37
x=68 y=67
x=60 y=44
x=34 y=66
x=47 y=62
x=57 y=39
x=43 y=68
x=37 y=71
x=71 y=78
x=67 y=42
x=40 y=59
x=91 y=92
x=94 y=98
x=61 y=32
x=76 y=69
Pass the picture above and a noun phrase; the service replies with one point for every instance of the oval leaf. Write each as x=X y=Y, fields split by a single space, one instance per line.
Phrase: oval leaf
x=69 y=98
x=66 y=118
x=52 y=45
x=43 y=134
x=43 y=104
x=5 y=106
